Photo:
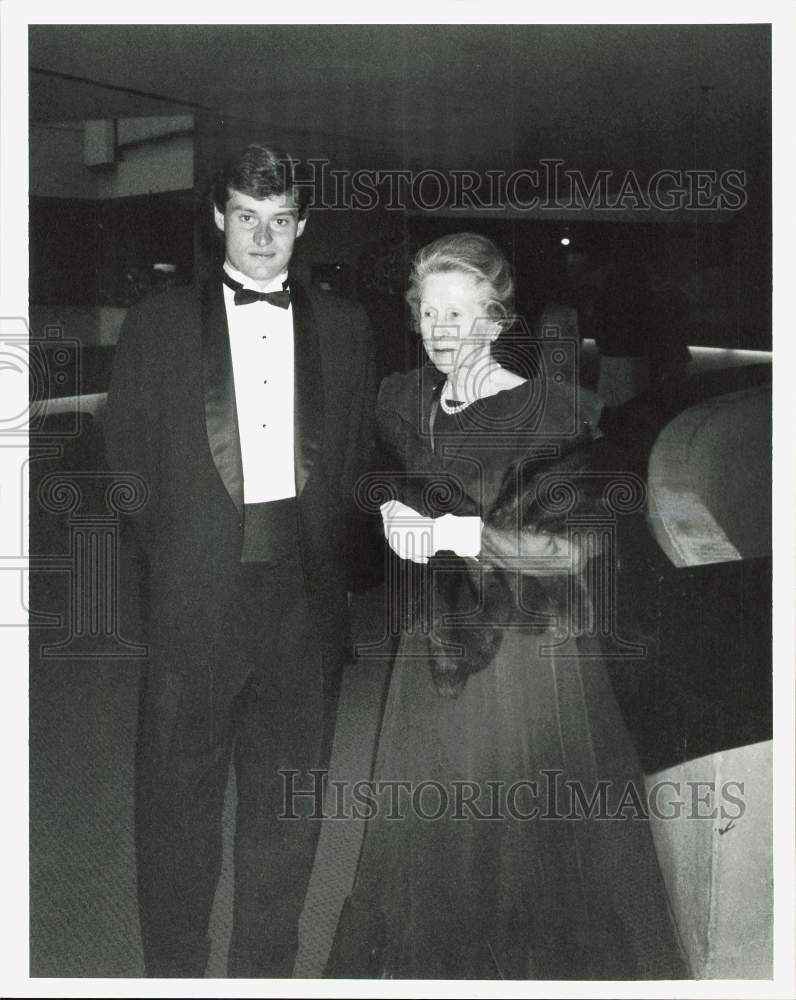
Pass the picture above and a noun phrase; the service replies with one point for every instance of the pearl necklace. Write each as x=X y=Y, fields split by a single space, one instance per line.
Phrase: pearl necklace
x=492 y=381
x=454 y=406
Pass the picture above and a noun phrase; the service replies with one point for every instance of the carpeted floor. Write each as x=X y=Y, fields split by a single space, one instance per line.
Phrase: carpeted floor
x=83 y=915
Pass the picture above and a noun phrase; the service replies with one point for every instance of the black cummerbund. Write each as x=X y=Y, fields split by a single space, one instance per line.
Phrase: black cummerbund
x=270 y=530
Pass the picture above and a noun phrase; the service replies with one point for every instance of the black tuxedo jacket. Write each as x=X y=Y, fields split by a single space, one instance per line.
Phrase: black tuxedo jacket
x=171 y=418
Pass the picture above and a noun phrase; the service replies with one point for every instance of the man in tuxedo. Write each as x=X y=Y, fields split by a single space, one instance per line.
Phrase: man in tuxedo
x=244 y=405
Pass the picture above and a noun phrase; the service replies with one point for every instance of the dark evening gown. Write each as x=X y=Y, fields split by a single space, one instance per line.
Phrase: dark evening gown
x=478 y=863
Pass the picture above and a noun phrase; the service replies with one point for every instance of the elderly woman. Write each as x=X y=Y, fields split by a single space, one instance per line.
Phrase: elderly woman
x=490 y=851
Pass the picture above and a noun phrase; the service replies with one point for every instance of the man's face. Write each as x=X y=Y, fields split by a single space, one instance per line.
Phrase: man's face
x=259 y=234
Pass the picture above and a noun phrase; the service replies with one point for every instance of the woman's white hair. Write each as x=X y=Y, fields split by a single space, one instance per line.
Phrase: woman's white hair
x=466 y=253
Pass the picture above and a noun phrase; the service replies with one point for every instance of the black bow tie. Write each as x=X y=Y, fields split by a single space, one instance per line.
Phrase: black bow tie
x=243 y=296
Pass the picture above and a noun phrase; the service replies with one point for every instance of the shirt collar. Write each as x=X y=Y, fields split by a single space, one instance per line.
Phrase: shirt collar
x=275 y=285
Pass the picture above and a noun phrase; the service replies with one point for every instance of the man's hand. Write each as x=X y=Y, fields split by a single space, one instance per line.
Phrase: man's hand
x=416 y=537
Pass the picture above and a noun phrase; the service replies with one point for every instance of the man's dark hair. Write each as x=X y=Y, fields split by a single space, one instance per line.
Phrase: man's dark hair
x=260 y=172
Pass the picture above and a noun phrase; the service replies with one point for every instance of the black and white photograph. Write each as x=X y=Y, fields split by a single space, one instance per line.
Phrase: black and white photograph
x=398 y=538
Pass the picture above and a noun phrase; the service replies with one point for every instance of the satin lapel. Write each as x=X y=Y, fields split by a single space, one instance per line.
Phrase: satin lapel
x=308 y=404
x=221 y=414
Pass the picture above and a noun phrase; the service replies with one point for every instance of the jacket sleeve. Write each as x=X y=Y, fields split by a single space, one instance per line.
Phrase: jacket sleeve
x=359 y=539
x=129 y=418
x=359 y=453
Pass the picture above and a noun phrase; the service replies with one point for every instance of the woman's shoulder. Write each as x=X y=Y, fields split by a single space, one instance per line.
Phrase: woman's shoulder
x=545 y=408
x=547 y=404
x=571 y=406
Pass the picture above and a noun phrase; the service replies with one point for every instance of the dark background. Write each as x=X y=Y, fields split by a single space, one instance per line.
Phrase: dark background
x=618 y=98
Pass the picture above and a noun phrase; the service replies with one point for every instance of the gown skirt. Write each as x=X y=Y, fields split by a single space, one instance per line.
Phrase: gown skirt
x=510 y=839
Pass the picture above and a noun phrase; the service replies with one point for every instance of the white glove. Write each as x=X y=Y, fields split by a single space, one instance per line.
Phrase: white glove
x=408 y=533
x=413 y=536
x=461 y=535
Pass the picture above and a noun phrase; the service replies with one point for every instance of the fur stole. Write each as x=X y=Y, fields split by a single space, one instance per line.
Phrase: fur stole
x=470 y=600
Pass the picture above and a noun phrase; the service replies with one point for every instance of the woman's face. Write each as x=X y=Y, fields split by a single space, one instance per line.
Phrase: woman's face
x=453 y=323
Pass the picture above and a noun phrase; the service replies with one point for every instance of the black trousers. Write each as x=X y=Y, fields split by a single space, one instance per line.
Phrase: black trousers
x=245 y=680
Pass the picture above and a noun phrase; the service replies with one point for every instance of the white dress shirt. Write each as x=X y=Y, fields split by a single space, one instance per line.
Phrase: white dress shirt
x=261 y=342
